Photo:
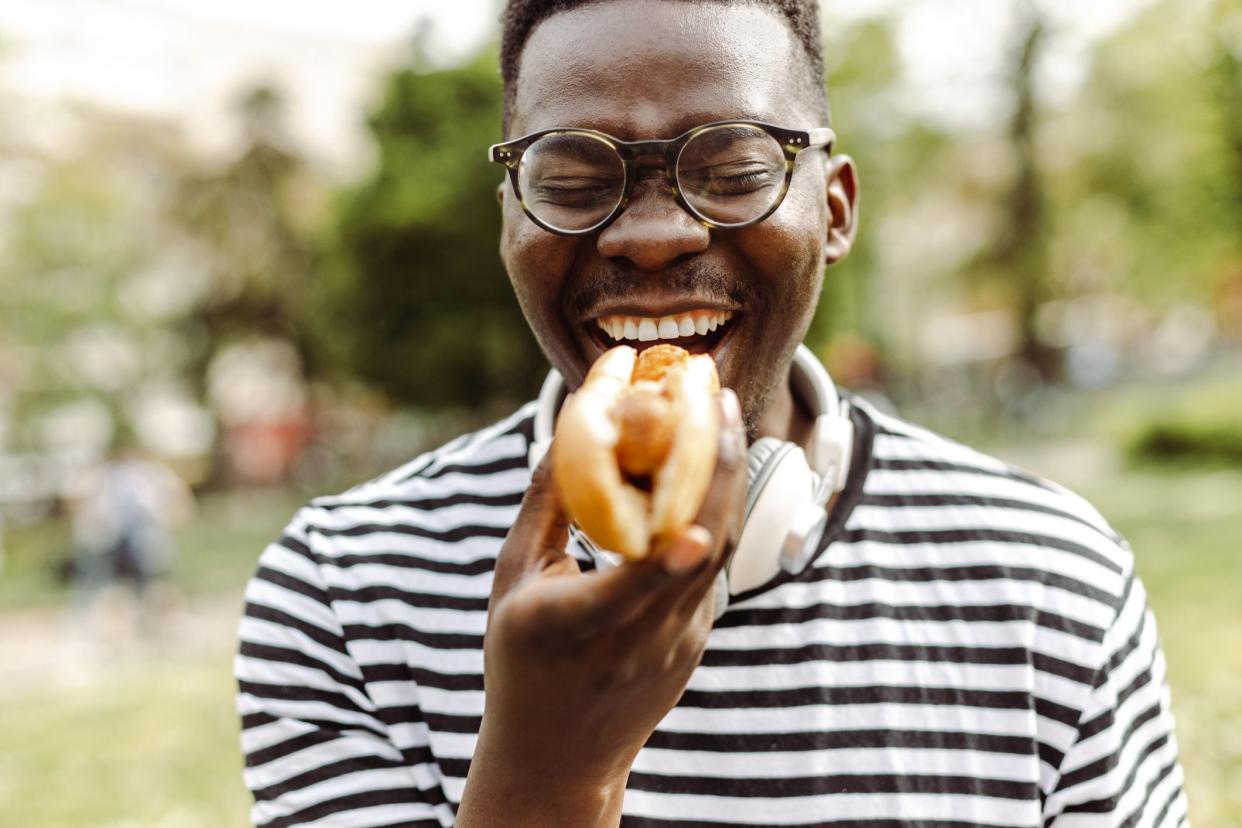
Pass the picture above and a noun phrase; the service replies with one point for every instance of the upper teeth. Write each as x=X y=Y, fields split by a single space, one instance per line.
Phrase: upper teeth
x=647 y=328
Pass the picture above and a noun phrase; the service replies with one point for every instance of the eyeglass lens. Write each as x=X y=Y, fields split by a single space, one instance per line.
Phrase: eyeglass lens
x=729 y=174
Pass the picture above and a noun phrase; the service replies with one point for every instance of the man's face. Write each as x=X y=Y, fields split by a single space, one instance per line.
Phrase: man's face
x=640 y=70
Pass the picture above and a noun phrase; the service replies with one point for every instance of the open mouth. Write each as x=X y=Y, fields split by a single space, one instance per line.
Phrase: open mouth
x=698 y=331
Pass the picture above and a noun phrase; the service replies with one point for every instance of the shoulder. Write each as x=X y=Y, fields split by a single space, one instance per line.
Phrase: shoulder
x=454 y=501
x=497 y=454
x=925 y=489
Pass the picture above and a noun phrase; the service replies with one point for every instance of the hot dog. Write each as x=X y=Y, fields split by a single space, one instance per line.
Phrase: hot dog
x=635 y=446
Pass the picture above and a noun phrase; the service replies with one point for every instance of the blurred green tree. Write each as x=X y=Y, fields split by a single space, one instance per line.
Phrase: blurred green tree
x=256 y=217
x=417 y=301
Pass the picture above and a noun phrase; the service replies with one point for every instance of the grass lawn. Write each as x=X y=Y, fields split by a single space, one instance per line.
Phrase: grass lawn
x=155 y=744
x=156 y=747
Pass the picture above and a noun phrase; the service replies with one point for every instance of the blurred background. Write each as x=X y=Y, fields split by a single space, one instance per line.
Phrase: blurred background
x=248 y=255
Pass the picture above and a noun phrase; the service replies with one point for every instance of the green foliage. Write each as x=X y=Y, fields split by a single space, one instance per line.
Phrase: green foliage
x=1201 y=428
x=418 y=302
x=1147 y=183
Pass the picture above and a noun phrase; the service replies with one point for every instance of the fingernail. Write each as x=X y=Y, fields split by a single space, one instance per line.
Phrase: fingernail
x=688 y=551
x=734 y=443
x=733 y=408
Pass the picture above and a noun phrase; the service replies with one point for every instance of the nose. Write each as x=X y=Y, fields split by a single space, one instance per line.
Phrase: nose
x=653 y=230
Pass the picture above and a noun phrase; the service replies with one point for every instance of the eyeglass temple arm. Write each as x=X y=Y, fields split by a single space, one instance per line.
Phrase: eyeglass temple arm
x=500 y=154
x=820 y=137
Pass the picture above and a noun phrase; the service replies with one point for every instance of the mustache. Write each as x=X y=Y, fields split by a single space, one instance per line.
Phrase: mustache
x=694 y=278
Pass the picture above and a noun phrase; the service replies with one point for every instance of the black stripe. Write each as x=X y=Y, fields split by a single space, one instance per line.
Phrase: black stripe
x=501 y=464
x=713 y=657
x=938 y=499
x=349 y=802
x=884 y=651
x=403 y=632
x=284 y=655
x=331 y=770
x=1164 y=812
x=401 y=560
x=814 y=741
x=821 y=785
x=427 y=600
x=646 y=822
x=454 y=535
x=289 y=746
x=292 y=693
x=262 y=612
x=766 y=616
x=1007 y=472
x=1050 y=756
x=1163 y=774
x=286 y=581
x=1109 y=805
x=1102 y=765
x=966 y=572
x=428 y=504
x=1105 y=720
x=1060 y=667
x=879 y=694
x=402 y=671
x=1132 y=642
x=294 y=545
x=253 y=720
x=1056 y=711
x=906 y=537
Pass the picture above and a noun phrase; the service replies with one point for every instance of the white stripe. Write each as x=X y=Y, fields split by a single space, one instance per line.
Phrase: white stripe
x=445 y=662
x=911 y=807
x=805 y=763
x=848 y=716
x=442 y=519
x=1016 y=633
x=916 y=556
x=426 y=619
x=846 y=594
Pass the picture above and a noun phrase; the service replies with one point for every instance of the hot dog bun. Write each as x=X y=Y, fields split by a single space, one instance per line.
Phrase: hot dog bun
x=635 y=446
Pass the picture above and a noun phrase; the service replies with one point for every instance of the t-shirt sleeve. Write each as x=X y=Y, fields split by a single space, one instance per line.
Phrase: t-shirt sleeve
x=1123 y=768
x=315 y=747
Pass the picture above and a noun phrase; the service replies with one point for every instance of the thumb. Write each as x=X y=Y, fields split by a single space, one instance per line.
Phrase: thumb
x=539 y=534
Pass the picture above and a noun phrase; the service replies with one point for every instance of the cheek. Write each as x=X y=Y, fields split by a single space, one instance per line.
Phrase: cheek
x=789 y=254
x=538 y=264
x=535 y=266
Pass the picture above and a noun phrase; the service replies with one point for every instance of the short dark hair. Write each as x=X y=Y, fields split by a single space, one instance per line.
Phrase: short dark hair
x=520 y=18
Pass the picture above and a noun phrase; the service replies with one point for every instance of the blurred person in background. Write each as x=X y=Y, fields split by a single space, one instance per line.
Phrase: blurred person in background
x=969 y=644
x=123 y=512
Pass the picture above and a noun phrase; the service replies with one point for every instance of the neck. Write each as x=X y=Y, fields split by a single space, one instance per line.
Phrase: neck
x=787 y=418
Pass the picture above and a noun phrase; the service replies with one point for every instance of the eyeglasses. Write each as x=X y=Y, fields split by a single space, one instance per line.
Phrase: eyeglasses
x=727 y=174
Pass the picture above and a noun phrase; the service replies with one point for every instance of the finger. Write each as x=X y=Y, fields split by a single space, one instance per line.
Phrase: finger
x=539 y=534
x=606 y=599
x=717 y=525
x=725 y=503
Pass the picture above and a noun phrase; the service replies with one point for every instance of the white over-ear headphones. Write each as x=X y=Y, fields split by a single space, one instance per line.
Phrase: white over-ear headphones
x=787 y=491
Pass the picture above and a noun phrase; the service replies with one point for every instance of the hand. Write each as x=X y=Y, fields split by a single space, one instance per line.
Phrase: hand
x=580 y=668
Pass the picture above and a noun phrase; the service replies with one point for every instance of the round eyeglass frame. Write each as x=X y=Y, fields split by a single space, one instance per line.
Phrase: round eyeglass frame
x=792 y=142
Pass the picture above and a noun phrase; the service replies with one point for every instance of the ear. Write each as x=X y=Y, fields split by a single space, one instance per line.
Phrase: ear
x=842 y=179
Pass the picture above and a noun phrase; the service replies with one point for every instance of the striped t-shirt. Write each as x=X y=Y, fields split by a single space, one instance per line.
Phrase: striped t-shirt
x=970 y=647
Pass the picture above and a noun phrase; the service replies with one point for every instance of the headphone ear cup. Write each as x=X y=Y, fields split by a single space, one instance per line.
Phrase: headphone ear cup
x=762 y=458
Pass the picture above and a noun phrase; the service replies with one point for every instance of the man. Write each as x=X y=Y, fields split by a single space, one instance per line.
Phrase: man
x=969 y=645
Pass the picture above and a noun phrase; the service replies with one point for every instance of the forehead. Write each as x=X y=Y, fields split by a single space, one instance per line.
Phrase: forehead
x=653 y=68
